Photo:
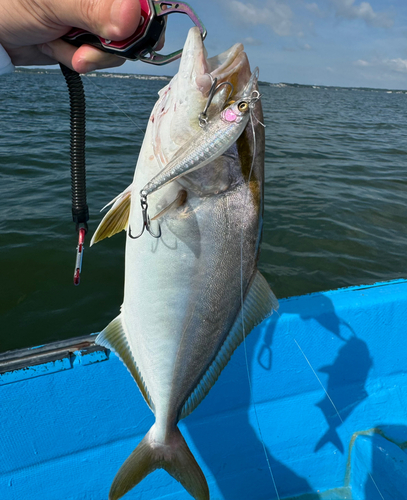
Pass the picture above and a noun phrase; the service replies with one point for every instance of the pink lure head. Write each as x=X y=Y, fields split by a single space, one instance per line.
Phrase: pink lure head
x=229 y=115
x=236 y=111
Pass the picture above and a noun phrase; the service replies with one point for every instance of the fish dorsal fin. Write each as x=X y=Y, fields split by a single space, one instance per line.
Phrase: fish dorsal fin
x=116 y=219
x=114 y=338
x=259 y=304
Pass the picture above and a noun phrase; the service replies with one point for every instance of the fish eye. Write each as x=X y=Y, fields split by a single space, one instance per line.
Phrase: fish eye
x=243 y=106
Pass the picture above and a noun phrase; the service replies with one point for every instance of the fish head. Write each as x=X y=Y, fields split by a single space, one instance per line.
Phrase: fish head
x=175 y=116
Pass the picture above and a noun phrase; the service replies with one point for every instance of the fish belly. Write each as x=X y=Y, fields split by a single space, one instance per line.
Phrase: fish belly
x=183 y=293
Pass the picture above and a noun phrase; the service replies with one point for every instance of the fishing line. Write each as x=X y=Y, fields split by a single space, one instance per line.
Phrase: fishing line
x=88 y=78
x=295 y=340
x=242 y=307
x=331 y=401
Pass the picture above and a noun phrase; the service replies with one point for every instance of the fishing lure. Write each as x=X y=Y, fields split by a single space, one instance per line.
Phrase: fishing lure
x=212 y=141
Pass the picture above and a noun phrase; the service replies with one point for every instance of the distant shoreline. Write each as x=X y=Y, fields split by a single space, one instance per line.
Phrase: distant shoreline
x=166 y=78
x=104 y=74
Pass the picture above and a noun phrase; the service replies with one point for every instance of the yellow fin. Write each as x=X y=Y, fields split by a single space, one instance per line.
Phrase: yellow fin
x=114 y=338
x=116 y=219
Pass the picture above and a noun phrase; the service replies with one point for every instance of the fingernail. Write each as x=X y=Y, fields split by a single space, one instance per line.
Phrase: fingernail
x=46 y=49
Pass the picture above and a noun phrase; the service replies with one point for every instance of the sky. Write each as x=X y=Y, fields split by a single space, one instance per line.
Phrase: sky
x=348 y=43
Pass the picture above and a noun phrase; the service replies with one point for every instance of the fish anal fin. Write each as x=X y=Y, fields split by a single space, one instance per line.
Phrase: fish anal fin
x=114 y=338
x=259 y=304
x=173 y=456
x=115 y=220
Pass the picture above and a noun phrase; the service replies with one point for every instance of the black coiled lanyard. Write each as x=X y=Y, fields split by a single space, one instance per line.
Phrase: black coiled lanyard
x=140 y=46
x=80 y=211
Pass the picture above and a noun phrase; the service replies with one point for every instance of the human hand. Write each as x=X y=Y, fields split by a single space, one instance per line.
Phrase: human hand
x=30 y=30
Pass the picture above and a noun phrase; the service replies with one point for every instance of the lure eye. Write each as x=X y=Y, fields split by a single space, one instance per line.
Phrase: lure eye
x=243 y=106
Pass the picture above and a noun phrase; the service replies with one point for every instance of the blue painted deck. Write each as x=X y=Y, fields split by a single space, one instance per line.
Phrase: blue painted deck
x=68 y=424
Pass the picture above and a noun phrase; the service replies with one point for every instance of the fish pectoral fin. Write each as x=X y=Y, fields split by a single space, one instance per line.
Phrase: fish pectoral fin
x=258 y=305
x=113 y=337
x=116 y=219
x=174 y=456
x=180 y=199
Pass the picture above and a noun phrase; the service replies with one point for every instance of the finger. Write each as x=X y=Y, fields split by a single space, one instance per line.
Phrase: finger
x=59 y=51
x=111 y=19
x=88 y=58
x=82 y=60
x=29 y=56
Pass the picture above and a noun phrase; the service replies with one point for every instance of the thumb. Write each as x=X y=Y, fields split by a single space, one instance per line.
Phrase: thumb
x=111 y=19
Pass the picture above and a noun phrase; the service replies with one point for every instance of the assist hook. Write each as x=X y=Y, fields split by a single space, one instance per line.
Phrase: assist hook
x=146 y=220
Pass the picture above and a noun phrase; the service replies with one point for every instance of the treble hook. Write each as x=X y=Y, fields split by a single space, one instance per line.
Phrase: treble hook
x=146 y=220
x=203 y=118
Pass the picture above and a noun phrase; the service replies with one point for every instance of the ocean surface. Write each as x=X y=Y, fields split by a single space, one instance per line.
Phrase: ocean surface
x=335 y=195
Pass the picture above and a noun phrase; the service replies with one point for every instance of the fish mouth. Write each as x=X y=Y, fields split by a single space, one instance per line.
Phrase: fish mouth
x=175 y=116
x=229 y=66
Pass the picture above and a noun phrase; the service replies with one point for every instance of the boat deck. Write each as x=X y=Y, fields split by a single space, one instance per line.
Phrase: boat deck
x=328 y=406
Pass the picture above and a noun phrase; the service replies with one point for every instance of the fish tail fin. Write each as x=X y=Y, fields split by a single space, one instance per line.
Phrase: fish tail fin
x=331 y=436
x=174 y=456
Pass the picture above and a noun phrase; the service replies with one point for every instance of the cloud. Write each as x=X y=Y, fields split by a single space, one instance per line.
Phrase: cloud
x=385 y=72
x=362 y=63
x=364 y=11
x=297 y=48
x=313 y=7
x=272 y=13
x=398 y=65
x=252 y=41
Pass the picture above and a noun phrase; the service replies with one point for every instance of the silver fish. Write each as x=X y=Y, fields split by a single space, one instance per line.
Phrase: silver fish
x=182 y=317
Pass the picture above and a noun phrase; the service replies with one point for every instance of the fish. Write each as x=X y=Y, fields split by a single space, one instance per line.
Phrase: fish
x=193 y=292
x=352 y=365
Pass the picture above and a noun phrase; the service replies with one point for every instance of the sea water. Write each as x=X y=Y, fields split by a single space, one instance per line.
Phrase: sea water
x=335 y=195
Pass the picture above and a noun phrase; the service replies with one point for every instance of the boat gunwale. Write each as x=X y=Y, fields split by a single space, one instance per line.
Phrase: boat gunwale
x=33 y=356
